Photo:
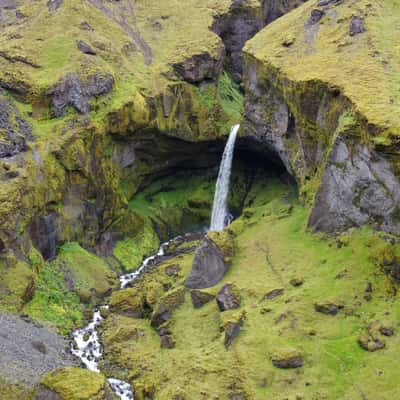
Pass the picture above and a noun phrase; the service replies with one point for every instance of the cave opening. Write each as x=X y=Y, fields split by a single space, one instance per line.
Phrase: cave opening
x=177 y=188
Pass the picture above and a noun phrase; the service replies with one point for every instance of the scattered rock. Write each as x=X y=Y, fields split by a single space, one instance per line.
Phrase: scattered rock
x=54 y=5
x=85 y=48
x=328 y=308
x=228 y=298
x=273 y=293
x=386 y=331
x=287 y=358
x=232 y=330
x=208 y=267
x=167 y=342
x=356 y=26
x=173 y=270
x=316 y=16
x=86 y=27
x=200 y=298
x=296 y=282
x=325 y=3
x=370 y=344
x=169 y=303
x=39 y=346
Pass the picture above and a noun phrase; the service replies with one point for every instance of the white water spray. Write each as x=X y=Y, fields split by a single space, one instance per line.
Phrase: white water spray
x=219 y=214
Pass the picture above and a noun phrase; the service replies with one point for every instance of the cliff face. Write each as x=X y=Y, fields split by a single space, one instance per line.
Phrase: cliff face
x=321 y=92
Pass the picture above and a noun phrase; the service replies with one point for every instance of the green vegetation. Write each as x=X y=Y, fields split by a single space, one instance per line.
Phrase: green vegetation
x=53 y=302
x=78 y=384
x=272 y=249
x=63 y=286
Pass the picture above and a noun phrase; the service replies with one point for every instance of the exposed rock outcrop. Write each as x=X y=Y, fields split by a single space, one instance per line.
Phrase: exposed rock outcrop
x=29 y=351
x=313 y=119
x=228 y=298
x=15 y=132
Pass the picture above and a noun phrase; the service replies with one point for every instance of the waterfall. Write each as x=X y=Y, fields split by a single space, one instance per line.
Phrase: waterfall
x=220 y=211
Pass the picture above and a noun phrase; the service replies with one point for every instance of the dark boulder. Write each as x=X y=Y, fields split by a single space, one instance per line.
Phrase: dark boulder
x=208 y=267
x=168 y=304
x=200 y=298
x=328 y=308
x=46 y=394
x=273 y=293
x=316 y=16
x=287 y=358
x=232 y=330
x=167 y=342
x=370 y=344
x=85 y=48
x=356 y=26
x=228 y=298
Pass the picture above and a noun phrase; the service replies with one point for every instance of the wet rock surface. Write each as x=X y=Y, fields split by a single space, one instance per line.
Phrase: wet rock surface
x=208 y=268
x=28 y=351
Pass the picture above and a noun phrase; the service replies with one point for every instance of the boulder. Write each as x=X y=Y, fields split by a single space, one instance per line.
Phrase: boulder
x=85 y=48
x=169 y=303
x=228 y=298
x=200 y=298
x=287 y=358
x=273 y=293
x=356 y=26
x=128 y=302
x=75 y=383
x=328 y=308
x=370 y=344
x=208 y=267
x=232 y=330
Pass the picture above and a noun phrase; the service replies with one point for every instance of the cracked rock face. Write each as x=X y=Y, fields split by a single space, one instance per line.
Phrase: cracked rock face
x=14 y=130
x=358 y=186
x=71 y=91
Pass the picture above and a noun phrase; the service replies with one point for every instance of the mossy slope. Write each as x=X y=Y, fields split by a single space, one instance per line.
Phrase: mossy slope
x=272 y=249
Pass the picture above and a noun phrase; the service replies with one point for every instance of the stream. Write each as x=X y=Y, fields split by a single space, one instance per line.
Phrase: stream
x=86 y=342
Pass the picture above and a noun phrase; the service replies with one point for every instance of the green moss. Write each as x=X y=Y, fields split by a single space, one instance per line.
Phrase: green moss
x=77 y=383
x=87 y=271
x=272 y=247
x=10 y=391
x=131 y=251
x=53 y=302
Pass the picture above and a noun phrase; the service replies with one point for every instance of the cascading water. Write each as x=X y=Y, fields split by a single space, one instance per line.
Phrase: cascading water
x=86 y=342
x=219 y=214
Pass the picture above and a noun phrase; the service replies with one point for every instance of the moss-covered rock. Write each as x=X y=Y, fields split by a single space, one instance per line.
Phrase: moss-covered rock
x=79 y=384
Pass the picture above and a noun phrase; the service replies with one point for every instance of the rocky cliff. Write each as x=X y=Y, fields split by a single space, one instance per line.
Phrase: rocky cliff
x=112 y=121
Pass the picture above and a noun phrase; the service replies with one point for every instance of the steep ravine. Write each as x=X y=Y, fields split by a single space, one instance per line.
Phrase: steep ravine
x=113 y=117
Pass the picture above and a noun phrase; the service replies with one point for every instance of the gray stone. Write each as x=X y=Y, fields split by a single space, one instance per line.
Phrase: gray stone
x=54 y=5
x=358 y=186
x=232 y=330
x=85 y=48
x=200 y=67
x=15 y=132
x=208 y=266
x=228 y=298
x=71 y=91
x=29 y=351
x=200 y=298
x=356 y=26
